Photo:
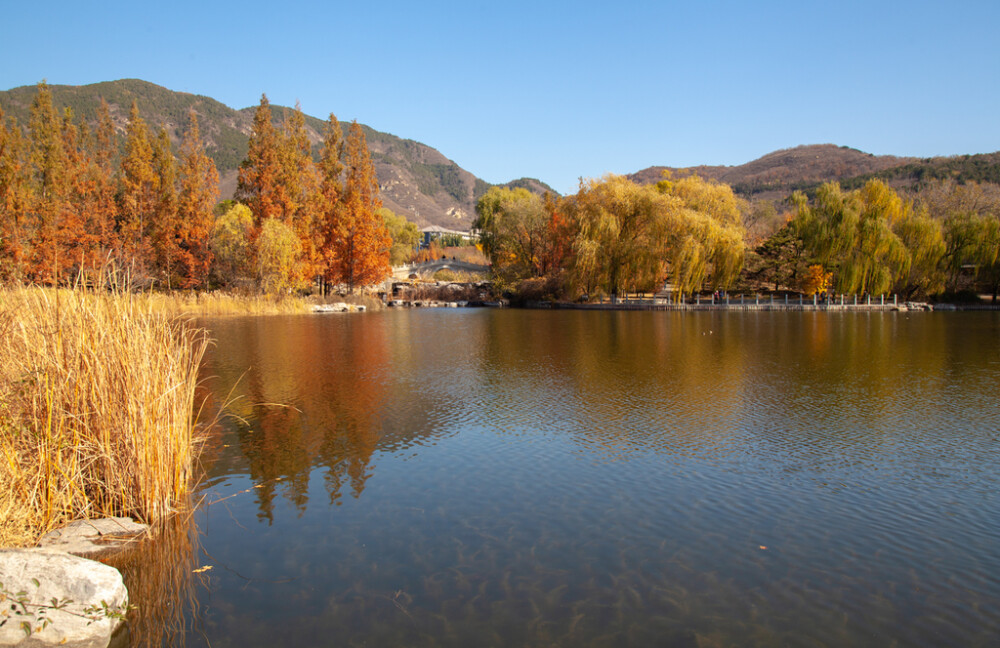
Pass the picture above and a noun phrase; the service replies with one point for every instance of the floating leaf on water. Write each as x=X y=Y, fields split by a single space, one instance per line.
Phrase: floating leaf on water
x=202 y=569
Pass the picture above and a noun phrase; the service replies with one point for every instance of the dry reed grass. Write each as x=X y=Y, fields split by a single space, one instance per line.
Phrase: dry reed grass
x=212 y=304
x=96 y=409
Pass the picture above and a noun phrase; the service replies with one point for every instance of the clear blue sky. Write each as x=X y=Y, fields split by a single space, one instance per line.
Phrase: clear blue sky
x=558 y=90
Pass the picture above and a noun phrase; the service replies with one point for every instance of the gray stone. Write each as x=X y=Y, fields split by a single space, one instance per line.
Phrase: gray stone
x=60 y=576
x=91 y=537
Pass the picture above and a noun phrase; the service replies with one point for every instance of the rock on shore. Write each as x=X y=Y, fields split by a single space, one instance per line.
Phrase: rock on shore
x=33 y=578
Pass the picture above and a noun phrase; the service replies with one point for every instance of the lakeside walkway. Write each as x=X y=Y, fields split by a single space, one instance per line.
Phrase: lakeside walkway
x=763 y=305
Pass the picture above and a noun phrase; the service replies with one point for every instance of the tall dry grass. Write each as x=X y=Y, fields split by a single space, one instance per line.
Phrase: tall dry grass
x=96 y=409
x=220 y=303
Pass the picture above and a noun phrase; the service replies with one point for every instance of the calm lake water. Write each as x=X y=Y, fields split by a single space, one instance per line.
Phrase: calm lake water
x=539 y=478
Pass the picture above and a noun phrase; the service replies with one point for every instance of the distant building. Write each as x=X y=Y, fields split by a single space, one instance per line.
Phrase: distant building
x=435 y=232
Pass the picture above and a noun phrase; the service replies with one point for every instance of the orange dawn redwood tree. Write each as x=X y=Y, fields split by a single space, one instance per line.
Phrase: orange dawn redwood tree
x=47 y=211
x=138 y=195
x=302 y=190
x=163 y=226
x=101 y=208
x=15 y=197
x=361 y=242
x=198 y=192
x=331 y=190
x=260 y=171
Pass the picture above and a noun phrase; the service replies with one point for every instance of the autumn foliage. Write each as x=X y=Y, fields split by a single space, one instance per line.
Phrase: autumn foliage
x=77 y=197
x=615 y=235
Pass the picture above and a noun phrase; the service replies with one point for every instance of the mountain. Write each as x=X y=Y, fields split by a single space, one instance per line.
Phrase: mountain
x=777 y=174
x=416 y=180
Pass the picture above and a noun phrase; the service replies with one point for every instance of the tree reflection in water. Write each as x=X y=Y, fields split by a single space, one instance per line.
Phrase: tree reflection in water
x=162 y=575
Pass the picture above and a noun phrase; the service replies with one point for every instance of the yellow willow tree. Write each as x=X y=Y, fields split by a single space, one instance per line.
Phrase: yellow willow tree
x=634 y=236
x=970 y=217
x=871 y=239
x=360 y=241
x=622 y=237
x=279 y=253
x=707 y=239
x=230 y=244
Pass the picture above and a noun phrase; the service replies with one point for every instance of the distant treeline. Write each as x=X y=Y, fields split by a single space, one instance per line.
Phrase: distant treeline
x=694 y=235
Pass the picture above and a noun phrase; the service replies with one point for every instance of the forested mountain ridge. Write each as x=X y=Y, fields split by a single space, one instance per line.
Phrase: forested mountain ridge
x=416 y=180
x=777 y=174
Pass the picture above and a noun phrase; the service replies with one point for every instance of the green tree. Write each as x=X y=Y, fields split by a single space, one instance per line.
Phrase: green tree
x=781 y=258
x=513 y=230
x=404 y=234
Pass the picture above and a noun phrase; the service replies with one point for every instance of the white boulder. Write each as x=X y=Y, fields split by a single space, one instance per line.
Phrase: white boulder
x=57 y=599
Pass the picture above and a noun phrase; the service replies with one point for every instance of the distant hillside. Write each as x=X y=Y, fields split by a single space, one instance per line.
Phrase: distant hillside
x=531 y=184
x=417 y=180
x=777 y=174
x=983 y=167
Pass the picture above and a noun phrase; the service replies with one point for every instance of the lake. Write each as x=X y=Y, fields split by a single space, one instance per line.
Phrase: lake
x=470 y=477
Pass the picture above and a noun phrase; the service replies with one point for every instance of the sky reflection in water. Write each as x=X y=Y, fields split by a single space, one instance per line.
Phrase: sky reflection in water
x=527 y=478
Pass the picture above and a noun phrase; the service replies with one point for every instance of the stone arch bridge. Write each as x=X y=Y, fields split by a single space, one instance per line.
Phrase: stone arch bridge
x=427 y=269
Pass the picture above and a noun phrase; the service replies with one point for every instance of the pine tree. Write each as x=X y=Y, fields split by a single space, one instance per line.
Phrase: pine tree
x=361 y=242
x=199 y=190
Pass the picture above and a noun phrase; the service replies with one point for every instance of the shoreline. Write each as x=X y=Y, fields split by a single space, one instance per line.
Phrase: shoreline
x=761 y=307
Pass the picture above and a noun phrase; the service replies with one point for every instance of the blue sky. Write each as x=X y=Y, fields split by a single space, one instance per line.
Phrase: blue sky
x=558 y=90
